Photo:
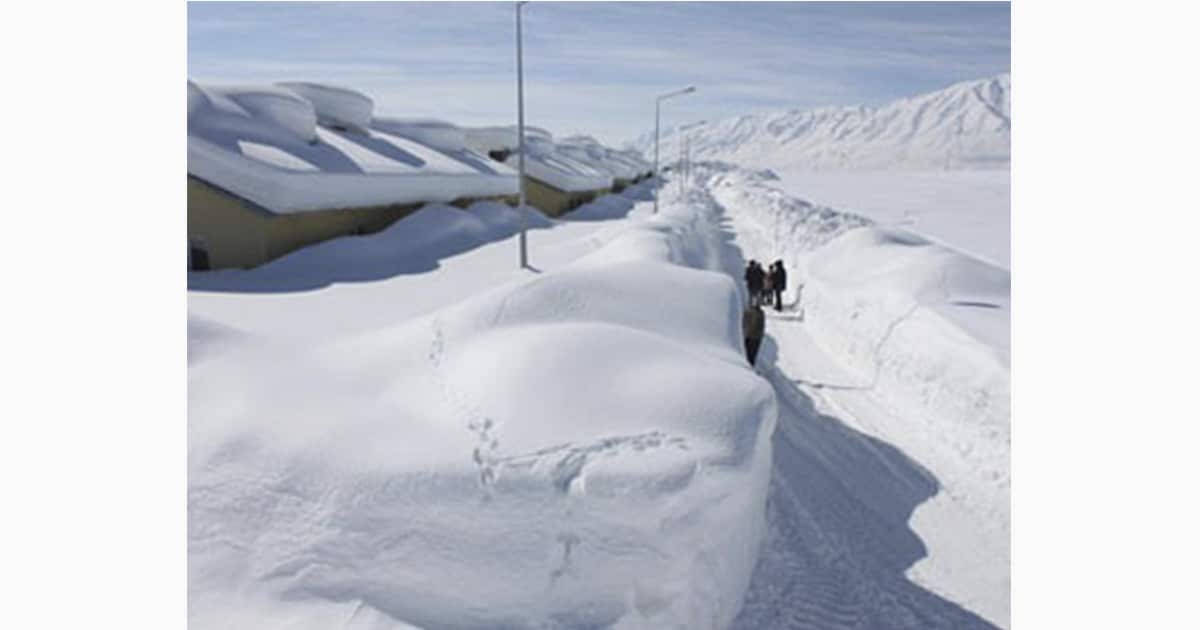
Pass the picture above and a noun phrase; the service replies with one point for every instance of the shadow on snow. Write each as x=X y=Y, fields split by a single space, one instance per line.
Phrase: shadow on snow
x=838 y=544
x=415 y=244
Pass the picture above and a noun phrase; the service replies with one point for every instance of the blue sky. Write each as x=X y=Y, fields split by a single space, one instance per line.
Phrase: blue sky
x=595 y=67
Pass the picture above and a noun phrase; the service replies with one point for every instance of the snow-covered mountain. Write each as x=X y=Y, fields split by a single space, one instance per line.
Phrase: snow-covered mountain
x=964 y=126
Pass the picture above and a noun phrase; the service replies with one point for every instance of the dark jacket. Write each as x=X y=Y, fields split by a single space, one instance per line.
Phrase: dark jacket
x=753 y=322
x=754 y=278
x=779 y=278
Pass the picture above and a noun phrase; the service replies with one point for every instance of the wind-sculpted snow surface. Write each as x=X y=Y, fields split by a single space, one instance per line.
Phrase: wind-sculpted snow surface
x=583 y=449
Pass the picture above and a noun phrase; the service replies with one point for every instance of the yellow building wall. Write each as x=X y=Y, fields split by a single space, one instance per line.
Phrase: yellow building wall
x=555 y=202
x=237 y=233
x=289 y=232
x=233 y=232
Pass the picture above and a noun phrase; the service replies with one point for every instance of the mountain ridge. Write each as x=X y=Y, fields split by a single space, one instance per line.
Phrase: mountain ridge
x=966 y=125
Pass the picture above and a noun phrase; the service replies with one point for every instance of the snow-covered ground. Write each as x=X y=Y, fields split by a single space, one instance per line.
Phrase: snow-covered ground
x=404 y=430
x=393 y=431
x=389 y=431
x=965 y=210
x=890 y=499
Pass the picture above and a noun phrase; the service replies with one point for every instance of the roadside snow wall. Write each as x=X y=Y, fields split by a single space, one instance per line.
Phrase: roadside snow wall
x=924 y=327
x=584 y=449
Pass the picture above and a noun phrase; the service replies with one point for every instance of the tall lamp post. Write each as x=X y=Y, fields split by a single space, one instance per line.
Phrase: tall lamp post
x=657 y=107
x=685 y=153
x=521 y=140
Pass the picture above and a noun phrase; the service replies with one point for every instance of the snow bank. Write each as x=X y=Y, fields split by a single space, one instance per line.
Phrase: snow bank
x=965 y=209
x=309 y=147
x=336 y=105
x=571 y=450
x=928 y=329
x=792 y=225
x=412 y=244
x=925 y=327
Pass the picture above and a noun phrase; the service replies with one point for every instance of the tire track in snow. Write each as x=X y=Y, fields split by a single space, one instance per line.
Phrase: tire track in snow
x=838 y=544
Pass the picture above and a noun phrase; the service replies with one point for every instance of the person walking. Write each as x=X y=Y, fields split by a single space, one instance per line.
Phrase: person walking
x=754 y=281
x=778 y=280
x=768 y=275
x=753 y=327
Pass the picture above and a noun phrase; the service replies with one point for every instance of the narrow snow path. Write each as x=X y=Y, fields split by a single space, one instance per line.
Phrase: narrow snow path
x=841 y=547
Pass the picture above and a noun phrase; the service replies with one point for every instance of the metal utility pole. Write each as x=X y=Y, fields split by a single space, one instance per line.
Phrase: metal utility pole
x=521 y=141
x=657 y=116
x=682 y=173
x=685 y=151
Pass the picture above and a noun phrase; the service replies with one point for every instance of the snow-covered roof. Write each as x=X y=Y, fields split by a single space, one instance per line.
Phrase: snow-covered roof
x=547 y=162
x=435 y=133
x=615 y=163
x=500 y=138
x=335 y=106
x=301 y=146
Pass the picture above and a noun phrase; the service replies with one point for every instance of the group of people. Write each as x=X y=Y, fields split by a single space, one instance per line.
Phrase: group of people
x=764 y=287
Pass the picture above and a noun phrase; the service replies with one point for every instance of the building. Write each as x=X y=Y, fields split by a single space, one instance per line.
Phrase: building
x=556 y=179
x=625 y=169
x=275 y=168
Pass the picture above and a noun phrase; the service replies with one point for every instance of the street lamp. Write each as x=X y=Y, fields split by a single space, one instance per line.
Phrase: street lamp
x=685 y=152
x=521 y=140
x=657 y=106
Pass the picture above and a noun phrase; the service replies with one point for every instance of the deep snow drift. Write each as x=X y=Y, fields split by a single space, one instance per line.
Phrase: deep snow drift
x=966 y=125
x=890 y=494
x=967 y=210
x=566 y=449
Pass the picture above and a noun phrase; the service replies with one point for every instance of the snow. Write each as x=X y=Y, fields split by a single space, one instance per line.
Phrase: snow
x=518 y=449
x=265 y=145
x=587 y=149
x=964 y=126
x=549 y=163
x=254 y=110
x=273 y=155
x=404 y=430
x=488 y=139
x=414 y=243
x=335 y=105
x=501 y=138
x=438 y=134
x=967 y=210
x=567 y=167
x=889 y=504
